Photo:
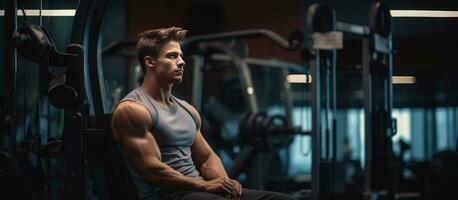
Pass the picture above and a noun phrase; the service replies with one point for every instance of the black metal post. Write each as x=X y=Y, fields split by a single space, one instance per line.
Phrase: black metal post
x=377 y=73
x=73 y=129
x=10 y=67
x=321 y=20
x=316 y=125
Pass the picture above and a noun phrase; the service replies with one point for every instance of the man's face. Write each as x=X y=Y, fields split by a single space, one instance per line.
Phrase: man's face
x=169 y=63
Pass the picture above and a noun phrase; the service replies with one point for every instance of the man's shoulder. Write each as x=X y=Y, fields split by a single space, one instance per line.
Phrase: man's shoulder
x=130 y=115
x=191 y=109
x=130 y=108
x=186 y=104
x=182 y=101
x=136 y=94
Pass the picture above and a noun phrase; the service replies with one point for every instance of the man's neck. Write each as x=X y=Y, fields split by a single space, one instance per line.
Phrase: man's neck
x=159 y=90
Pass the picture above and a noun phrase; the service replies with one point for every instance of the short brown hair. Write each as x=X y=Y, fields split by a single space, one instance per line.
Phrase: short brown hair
x=150 y=42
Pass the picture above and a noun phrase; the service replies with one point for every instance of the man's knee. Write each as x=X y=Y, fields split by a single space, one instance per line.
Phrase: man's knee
x=281 y=196
x=264 y=195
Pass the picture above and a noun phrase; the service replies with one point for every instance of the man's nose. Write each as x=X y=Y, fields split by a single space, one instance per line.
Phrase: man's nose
x=181 y=62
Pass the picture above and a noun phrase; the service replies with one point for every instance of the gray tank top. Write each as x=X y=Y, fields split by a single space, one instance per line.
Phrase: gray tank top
x=174 y=130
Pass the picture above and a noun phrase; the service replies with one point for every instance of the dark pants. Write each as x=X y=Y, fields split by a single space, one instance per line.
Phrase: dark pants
x=247 y=194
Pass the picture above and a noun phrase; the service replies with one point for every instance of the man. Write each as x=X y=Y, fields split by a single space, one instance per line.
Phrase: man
x=159 y=135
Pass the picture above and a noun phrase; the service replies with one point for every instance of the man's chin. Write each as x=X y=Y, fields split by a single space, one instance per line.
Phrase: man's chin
x=177 y=80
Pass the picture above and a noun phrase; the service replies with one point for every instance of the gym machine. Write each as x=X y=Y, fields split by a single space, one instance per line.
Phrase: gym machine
x=34 y=44
x=322 y=58
x=258 y=134
x=378 y=105
x=379 y=126
x=100 y=150
x=70 y=94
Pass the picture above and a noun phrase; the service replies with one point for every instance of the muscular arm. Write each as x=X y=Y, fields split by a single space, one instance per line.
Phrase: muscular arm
x=209 y=164
x=131 y=128
x=205 y=159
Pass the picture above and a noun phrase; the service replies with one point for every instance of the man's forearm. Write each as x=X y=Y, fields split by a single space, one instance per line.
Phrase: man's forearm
x=169 y=179
x=212 y=168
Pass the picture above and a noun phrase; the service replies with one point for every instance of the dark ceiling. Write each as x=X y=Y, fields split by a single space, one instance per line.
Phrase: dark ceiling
x=426 y=48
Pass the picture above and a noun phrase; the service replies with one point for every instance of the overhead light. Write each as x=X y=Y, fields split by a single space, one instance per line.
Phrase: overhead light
x=403 y=79
x=249 y=90
x=423 y=13
x=46 y=13
x=299 y=78
x=303 y=78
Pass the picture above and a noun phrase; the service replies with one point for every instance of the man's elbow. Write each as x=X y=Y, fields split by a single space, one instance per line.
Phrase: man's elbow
x=212 y=160
x=151 y=172
x=214 y=157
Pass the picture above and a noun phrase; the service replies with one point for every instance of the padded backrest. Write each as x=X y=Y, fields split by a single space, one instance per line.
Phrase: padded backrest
x=117 y=177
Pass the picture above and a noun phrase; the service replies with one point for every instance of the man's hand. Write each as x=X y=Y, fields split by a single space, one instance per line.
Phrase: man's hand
x=236 y=189
x=219 y=185
x=225 y=187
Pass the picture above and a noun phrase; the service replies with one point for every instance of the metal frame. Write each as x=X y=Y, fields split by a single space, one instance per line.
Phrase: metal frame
x=10 y=68
x=244 y=75
x=291 y=45
x=264 y=62
x=87 y=24
x=254 y=33
x=284 y=66
x=72 y=136
x=87 y=27
x=321 y=20
x=377 y=47
x=208 y=42
x=199 y=67
x=378 y=104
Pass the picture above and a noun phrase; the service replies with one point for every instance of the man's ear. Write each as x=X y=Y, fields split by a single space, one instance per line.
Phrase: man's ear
x=149 y=61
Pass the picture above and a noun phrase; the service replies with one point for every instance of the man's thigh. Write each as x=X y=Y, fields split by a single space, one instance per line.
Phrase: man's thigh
x=191 y=195
x=248 y=194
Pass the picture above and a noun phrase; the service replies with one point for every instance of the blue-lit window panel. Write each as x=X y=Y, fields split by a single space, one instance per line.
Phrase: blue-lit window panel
x=417 y=134
x=455 y=126
x=361 y=146
x=276 y=110
x=300 y=149
x=432 y=130
x=451 y=126
x=302 y=117
x=446 y=128
x=300 y=156
x=355 y=133
x=403 y=124
x=441 y=129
